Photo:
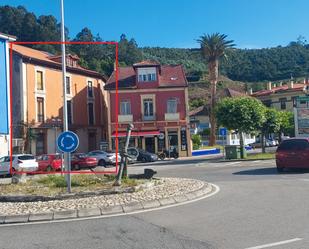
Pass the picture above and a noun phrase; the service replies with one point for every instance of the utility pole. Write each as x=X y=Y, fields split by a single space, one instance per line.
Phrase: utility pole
x=67 y=158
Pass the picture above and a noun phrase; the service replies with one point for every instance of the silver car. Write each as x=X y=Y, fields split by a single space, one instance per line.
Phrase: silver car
x=104 y=158
x=21 y=163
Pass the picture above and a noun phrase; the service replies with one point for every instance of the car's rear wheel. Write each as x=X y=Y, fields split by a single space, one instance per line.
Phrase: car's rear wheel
x=102 y=163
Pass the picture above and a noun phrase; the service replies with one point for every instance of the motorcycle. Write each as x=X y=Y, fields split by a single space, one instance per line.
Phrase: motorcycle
x=172 y=153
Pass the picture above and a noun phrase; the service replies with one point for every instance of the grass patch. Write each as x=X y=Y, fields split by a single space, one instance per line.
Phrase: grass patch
x=52 y=185
x=261 y=156
x=211 y=147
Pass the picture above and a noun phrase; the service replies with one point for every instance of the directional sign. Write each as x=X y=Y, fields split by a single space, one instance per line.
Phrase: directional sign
x=223 y=131
x=67 y=141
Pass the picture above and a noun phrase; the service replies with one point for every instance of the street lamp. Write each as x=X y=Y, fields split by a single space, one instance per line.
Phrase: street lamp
x=67 y=163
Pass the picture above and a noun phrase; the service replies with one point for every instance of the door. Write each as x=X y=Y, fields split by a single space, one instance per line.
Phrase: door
x=300 y=155
x=4 y=165
x=173 y=140
x=92 y=142
x=150 y=144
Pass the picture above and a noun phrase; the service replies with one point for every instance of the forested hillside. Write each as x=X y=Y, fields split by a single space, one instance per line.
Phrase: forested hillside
x=246 y=65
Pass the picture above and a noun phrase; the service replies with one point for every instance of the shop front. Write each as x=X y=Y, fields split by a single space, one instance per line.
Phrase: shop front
x=156 y=141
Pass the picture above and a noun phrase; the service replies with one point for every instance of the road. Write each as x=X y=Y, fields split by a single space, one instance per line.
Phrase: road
x=255 y=208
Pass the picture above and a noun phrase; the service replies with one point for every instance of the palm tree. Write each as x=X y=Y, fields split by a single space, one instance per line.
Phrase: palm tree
x=213 y=47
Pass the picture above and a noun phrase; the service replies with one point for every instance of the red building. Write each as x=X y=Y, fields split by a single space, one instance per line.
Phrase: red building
x=154 y=98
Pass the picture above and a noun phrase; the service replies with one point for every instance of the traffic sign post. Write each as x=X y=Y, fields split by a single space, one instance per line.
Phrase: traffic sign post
x=68 y=142
x=223 y=133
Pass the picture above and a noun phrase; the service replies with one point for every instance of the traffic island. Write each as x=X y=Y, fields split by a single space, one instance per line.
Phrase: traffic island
x=145 y=195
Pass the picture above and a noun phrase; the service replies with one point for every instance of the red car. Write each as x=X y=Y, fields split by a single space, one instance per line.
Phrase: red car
x=51 y=162
x=81 y=160
x=293 y=153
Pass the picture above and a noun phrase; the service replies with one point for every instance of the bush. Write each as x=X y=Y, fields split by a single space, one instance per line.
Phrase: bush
x=197 y=141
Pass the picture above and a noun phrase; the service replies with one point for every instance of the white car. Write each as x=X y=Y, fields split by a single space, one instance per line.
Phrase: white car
x=21 y=163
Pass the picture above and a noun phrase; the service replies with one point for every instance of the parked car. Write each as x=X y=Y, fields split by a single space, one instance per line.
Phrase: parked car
x=258 y=144
x=104 y=158
x=50 y=162
x=82 y=160
x=293 y=153
x=145 y=156
x=21 y=163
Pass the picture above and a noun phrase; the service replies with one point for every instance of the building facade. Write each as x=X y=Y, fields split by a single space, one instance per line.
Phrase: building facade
x=5 y=94
x=282 y=97
x=38 y=101
x=154 y=98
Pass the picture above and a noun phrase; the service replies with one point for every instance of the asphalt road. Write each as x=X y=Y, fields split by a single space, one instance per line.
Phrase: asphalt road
x=255 y=208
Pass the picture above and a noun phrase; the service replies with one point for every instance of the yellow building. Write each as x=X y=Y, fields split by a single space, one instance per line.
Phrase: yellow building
x=281 y=97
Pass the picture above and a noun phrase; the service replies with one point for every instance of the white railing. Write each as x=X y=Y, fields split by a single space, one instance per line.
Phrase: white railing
x=171 y=116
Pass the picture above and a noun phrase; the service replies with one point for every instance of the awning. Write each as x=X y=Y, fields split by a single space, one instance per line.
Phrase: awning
x=136 y=133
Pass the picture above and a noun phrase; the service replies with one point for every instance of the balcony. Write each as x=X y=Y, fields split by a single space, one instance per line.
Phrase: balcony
x=149 y=118
x=171 y=116
x=125 y=118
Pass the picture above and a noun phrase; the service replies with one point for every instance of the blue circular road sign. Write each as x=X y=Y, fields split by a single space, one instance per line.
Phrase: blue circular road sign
x=67 y=141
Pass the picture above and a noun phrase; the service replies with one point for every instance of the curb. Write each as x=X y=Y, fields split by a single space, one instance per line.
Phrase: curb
x=207 y=189
x=245 y=160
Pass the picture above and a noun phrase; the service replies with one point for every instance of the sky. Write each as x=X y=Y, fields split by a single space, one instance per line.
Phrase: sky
x=178 y=23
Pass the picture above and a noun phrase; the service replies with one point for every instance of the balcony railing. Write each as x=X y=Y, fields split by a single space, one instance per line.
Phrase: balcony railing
x=125 y=118
x=171 y=116
x=149 y=118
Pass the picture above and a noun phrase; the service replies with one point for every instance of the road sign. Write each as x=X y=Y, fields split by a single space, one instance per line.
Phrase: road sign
x=67 y=141
x=223 y=131
x=161 y=136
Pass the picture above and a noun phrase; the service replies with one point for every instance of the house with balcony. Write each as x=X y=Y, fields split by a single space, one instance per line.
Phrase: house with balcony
x=38 y=101
x=154 y=98
x=5 y=94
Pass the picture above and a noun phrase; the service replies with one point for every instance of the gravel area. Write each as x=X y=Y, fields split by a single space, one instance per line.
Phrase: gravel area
x=167 y=187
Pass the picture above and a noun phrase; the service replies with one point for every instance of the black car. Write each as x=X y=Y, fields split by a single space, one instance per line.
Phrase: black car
x=145 y=156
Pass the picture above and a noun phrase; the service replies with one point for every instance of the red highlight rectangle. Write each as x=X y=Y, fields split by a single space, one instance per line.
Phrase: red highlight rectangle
x=11 y=43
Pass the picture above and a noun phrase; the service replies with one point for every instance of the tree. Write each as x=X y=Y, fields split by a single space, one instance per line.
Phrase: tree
x=270 y=125
x=286 y=124
x=243 y=114
x=214 y=47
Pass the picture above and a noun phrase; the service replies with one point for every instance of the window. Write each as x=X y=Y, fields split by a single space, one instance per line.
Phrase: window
x=68 y=85
x=90 y=89
x=90 y=114
x=172 y=106
x=39 y=81
x=125 y=108
x=267 y=103
x=40 y=109
x=147 y=74
x=69 y=111
x=283 y=103
x=148 y=109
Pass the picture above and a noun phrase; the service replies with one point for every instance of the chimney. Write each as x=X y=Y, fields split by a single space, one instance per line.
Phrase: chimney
x=291 y=84
x=250 y=91
x=280 y=84
x=304 y=81
x=269 y=85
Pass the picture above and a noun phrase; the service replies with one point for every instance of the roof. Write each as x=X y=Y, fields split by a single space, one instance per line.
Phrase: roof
x=48 y=59
x=170 y=76
x=279 y=89
x=228 y=92
x=146 y=63
x=199 y=111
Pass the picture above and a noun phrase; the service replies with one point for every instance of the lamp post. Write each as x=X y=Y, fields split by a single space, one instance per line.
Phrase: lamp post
x=67 y=163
